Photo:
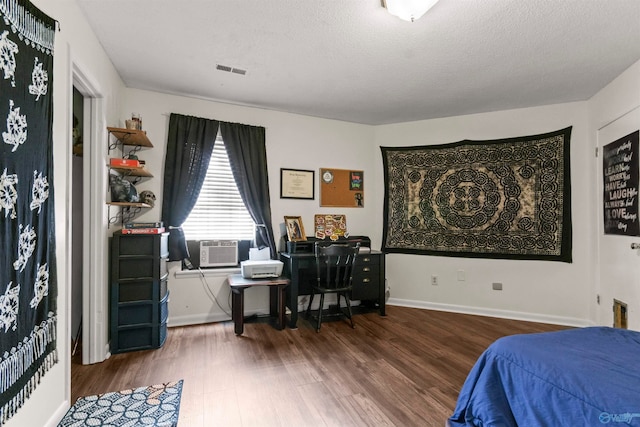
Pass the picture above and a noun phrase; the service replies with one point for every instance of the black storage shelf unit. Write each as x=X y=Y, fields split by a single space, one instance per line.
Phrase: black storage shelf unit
x=139 y=294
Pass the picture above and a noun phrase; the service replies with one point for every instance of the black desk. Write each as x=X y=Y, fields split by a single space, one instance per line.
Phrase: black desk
x=368 y=280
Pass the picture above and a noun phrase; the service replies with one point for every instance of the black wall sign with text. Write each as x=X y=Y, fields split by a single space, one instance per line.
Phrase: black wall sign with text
x=620 y=195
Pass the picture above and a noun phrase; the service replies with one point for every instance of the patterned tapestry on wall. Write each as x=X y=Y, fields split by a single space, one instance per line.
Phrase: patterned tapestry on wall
x=27 y=241
x=507 y=198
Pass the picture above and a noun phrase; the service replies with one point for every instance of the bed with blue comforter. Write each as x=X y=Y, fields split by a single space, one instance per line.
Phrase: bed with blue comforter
x=575 y=377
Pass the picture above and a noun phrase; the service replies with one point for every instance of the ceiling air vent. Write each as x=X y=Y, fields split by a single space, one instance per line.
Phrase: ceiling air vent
x=231 y=69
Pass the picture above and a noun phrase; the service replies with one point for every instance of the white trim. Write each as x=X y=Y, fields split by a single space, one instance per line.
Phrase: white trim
x=502 y=314
x=94 y=275
x=199 y=319
x=218 y=272
x=58 y=414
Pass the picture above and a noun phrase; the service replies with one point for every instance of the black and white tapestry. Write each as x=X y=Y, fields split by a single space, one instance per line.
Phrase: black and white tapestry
x=27 y=242
x=507 y=198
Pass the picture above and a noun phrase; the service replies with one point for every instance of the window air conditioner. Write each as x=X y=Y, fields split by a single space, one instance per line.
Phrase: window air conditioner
x=218 y=253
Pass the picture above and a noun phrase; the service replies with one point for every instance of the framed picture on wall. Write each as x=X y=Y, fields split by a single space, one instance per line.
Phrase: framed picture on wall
x=297 y=184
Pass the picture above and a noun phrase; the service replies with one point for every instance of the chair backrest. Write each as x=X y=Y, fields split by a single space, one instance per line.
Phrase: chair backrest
x=334 y=263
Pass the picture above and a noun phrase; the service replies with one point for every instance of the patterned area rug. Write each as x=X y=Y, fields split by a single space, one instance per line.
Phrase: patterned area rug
x=508 y=198
x=155 y=405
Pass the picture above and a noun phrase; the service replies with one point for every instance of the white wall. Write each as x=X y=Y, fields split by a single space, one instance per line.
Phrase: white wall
x=619 y=267
x=532 y=290
x=75 y=42
x=535 y=290
x=294 y=142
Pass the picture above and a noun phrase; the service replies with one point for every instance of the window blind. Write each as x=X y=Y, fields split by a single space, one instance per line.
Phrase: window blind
x=219 y=212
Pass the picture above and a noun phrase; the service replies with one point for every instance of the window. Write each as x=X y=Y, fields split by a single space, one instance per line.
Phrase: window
x=219 y=212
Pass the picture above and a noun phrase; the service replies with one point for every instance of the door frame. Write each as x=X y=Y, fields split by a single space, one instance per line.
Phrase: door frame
x=95 y=339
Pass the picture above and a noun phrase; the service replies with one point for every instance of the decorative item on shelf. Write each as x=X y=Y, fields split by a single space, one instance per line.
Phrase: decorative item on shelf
x=295 y=230
x=135 y=123
x=147 y=197
x=137 y=119
x=152 y=224
x=122 y=190
x=117 y=162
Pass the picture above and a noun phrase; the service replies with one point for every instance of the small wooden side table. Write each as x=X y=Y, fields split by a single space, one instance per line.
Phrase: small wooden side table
x=277 y=287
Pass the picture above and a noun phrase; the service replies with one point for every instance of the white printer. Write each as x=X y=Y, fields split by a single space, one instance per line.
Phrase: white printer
x=261 y=269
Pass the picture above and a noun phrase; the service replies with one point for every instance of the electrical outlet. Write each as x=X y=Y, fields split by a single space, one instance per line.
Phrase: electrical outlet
x=434 y=280
x=462 y=276
x=497 y=286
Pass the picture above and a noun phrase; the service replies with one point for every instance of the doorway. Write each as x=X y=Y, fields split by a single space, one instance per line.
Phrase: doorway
x=77 y=219
x=619 y=314
x=87 y=222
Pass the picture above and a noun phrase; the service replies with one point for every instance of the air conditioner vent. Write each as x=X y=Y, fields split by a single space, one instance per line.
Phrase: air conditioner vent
x=218 y=253
x=229 y=69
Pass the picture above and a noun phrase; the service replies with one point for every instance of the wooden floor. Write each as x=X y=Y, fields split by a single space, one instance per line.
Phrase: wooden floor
x=404 y=369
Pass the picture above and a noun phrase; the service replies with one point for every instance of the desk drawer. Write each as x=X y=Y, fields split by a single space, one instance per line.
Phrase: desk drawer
x=139 y=267
x=372 y=270
x=366 y=282
x=368 y=259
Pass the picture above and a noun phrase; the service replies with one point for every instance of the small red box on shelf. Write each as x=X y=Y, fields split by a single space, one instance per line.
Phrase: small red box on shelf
x=128 y=163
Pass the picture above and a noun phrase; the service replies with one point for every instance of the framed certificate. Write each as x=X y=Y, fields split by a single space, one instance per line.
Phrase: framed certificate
x=297 y=184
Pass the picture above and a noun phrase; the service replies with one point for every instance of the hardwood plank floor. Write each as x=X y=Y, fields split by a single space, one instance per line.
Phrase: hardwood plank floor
x=404 y=369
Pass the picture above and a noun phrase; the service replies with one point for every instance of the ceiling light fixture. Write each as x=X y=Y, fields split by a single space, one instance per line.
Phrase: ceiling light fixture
x=409 y=10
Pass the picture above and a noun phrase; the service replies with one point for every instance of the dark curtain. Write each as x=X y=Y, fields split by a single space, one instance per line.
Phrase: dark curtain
x=28 y=279
x=190 y=142
x=248 y=159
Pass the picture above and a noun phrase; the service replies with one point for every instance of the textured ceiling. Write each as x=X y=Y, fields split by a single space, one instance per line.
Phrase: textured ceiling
x=350 y=60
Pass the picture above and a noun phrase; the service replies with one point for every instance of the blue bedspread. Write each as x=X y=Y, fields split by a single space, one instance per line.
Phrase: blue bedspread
x=574 y=377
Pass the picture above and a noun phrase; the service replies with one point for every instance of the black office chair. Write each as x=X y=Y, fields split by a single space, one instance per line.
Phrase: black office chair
x=334 y=272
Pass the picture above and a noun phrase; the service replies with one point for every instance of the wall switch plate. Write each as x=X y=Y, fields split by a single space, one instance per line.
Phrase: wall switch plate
x=462 y=276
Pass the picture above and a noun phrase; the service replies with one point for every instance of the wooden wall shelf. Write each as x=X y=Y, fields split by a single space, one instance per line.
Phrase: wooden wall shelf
x=129 y=204
x=133 y=171
x=131 y=136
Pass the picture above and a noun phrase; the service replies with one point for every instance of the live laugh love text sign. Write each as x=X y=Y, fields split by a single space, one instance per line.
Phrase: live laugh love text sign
x=620 y=173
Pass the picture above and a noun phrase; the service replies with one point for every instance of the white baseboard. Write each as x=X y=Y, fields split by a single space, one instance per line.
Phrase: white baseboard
x=196 y=319
x=58 y=414
x=202 y=318
x=503 y=314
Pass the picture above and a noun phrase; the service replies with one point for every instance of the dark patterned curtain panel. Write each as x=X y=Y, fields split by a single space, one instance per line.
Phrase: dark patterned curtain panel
x=508 y=198
x=27 y=240
x=190 y=143
x=247 y=152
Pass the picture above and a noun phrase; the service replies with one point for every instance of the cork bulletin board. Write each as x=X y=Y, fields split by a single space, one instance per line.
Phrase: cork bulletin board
x=341 y=188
